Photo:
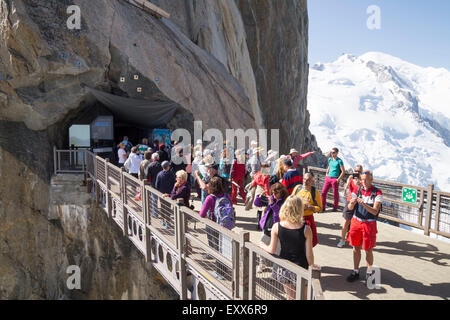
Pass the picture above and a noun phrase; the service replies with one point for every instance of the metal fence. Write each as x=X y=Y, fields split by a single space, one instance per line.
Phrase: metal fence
x=69 y=161
x=199 y=258
x=433 y=218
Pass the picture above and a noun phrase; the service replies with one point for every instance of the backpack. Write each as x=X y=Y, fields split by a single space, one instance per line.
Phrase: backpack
x=313 y=193
x=224 y=212
x=373 y=195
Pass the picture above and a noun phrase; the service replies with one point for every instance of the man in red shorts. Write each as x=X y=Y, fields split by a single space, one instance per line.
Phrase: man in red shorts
x=363 y=228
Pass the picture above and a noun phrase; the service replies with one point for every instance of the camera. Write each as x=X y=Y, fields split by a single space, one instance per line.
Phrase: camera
x=355 y=175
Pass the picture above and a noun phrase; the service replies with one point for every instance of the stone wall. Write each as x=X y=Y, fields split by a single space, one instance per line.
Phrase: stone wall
x=229 y=63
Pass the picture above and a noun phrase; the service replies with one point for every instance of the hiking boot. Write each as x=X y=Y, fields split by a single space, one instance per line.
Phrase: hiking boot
x=341 y=243
x=353 y=276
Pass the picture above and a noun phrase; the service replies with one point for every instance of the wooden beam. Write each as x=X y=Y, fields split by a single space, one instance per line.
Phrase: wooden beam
x=151 y=8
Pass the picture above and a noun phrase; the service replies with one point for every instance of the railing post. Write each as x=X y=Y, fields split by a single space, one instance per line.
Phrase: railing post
x=180 y=229
x=144 y=198
x=148 y=245
x=252 y=276
x=54 y=160
x=244 y=268
x=236 y=269
x=84 y=166
x=420 y=217
x=438 y=212
x=108 y=195
x=124 y=208
x=317 y=293
x=58 y=155
x=300 y=287
x=429 y=210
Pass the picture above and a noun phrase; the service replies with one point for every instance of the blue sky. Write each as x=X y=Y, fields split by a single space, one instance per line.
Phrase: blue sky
x=417 y=31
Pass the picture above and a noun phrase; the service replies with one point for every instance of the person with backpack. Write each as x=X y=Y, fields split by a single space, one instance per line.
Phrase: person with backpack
x=218 y=207
x=128 y=144
x=366 y=203
x=353 y=183
x=312 y=202
x=335 y=172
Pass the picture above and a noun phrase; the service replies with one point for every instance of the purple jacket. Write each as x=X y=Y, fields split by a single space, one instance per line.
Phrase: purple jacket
x=183 y=192
x=209 y=205
x=275 y=207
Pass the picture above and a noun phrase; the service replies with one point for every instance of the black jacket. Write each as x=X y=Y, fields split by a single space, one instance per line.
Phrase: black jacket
x=152 y=172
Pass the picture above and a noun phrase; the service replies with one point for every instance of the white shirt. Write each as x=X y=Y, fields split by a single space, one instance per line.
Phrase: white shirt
x=133 y=162
x=122 y=155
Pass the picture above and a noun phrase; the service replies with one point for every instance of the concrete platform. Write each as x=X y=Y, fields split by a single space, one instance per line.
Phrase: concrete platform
x=413 y=266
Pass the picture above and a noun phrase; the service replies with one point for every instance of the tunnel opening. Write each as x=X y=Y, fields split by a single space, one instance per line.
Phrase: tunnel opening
x=103 y=119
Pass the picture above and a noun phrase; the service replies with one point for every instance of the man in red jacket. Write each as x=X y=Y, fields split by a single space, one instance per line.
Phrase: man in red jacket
x=238 y=176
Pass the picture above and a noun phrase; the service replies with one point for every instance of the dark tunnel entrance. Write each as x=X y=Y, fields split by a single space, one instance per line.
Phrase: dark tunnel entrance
x=104 y=119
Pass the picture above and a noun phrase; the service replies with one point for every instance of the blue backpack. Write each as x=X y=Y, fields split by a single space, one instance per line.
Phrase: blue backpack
x=224 y=212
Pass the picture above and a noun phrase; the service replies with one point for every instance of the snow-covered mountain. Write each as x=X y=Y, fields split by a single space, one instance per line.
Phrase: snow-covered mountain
x=389 y=115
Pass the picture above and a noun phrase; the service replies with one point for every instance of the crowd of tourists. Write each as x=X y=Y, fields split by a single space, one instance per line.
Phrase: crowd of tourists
x=285 y=200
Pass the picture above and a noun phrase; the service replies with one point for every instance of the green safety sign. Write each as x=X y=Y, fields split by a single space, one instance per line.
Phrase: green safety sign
x=409 y=195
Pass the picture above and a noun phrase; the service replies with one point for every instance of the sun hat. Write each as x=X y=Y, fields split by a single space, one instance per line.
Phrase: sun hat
x=293 y=151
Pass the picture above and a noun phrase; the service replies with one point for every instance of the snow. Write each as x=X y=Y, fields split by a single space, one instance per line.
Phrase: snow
x=387 y=114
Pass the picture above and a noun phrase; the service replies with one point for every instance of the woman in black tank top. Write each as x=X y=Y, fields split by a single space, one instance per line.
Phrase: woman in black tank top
x=296 y=243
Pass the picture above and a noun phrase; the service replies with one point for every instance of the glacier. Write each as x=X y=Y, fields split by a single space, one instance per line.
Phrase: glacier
x=389 y=115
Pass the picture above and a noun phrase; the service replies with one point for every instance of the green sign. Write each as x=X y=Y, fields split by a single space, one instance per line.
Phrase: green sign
x=409 y=195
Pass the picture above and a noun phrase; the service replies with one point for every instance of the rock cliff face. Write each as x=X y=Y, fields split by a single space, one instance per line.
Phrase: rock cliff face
x=229 y=63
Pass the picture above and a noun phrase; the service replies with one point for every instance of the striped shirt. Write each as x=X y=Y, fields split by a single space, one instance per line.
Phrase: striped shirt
x=369 y=197
x=292 y=178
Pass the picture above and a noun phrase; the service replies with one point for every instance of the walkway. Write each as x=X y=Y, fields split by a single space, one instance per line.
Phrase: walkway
x=412 y=266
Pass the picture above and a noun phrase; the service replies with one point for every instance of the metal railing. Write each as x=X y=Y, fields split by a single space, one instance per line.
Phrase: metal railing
x=198 y=258
x=69 y=161
x=434 y=218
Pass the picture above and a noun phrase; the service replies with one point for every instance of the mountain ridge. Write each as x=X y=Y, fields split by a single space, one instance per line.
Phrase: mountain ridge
x=385 y=113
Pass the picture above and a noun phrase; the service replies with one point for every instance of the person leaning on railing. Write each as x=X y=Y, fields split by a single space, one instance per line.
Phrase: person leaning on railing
x=181 y=191
x=295 y=240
